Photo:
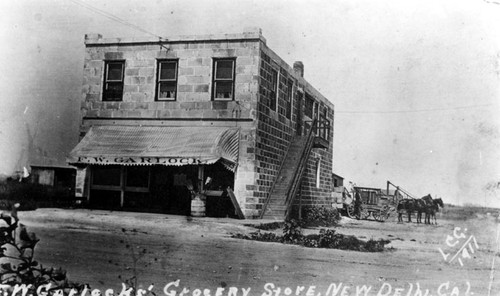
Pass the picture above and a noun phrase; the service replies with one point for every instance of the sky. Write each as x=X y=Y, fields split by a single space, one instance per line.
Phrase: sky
x=415 y=84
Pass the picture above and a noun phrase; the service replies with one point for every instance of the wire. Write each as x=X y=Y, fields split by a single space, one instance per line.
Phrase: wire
x=413 y=111
x=492 y=2
x=113 y=17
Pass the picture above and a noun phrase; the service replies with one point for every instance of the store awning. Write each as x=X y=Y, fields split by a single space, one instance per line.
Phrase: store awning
x=157 y=145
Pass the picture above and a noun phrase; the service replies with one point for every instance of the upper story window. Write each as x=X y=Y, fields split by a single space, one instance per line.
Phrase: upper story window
x=289 y=99
x=223 y=79
x=273 y=95
x=166 y=89
x=309 y=106
x=113 y=81
x=322 y=123
x=315 y=111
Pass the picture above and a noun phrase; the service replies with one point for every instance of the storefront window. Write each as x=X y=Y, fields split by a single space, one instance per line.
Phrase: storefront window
x=106 y=175
x=137 y=176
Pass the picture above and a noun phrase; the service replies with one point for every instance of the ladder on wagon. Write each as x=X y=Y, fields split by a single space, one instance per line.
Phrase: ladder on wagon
x=400 y=193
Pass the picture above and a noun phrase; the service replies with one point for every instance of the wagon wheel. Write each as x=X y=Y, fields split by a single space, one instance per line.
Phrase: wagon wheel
x=381 y=215
x=349 y=209
x=363 y=214
x=385 y=213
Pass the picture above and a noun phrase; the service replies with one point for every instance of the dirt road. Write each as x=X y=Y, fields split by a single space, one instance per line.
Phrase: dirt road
x=104 y=248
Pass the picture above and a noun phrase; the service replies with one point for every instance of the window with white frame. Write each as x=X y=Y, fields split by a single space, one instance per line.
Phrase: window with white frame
x=166 y=89
x=113 y=81
x=318 y=172
x=223 y=79
x=289 y=103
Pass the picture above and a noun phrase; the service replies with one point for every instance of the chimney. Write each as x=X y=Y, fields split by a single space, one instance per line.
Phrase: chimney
x=298 y=67
x=92 y=37
x=255 y=30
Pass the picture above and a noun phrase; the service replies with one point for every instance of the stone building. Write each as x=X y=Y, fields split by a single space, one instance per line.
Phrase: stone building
x=164 y=120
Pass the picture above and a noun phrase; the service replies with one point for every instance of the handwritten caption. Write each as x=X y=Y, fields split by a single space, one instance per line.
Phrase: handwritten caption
x=460 y=245
x=269 y=289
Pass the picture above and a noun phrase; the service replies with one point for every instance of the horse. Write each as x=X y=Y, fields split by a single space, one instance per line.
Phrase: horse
x=420 y=207
x=431 y=207
x=407 y=205
x=432 y=210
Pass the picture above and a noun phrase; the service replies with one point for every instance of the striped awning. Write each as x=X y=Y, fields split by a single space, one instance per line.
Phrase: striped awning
x=157 y=145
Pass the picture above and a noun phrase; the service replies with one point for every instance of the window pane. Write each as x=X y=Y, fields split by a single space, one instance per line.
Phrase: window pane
x=138 y=176
x=223 y=90
x=309 y=106
x=115 y=71
x=224 y=70
x=288 y=110
x=167 y=70
x=113 y=91
x=106 y=175
x=274 y=80
x=167 y=90
x=290 y=90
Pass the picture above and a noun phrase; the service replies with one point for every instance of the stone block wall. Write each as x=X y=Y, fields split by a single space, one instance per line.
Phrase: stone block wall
x=194 y=97
x=195 y=57
x=275 y=131
x=267 y=125
x=310 y=192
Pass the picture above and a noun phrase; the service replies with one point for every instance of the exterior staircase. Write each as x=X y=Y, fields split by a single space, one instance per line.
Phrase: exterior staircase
x=287 y=183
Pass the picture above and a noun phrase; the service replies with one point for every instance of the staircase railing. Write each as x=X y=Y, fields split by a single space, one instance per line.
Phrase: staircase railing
x=323 y=129
x=297 y=177
x=268 y=199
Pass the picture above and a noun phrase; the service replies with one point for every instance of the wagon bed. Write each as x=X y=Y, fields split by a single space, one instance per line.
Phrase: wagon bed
x=372 y=202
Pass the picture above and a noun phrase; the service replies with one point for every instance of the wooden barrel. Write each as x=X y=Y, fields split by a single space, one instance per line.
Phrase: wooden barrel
x=197 y=207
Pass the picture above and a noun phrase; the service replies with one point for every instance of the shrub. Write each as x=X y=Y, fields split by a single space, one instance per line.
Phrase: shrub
x=376 y=245
x=31 y=195
x=292 y=232
x=267 y=226
x=311 y=241
x=258 y=236
x=326 y=238
x=13 y=192
x=17 y=262
x=8 y=204
x=320 y=216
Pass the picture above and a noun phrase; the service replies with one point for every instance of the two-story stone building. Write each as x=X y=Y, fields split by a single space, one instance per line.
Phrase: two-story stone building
x=162 y=119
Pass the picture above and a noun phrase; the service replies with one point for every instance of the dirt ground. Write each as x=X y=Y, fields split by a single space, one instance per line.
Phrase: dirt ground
x=104 y=248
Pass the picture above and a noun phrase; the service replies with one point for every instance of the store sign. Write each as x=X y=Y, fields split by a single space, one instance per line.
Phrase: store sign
x=142 y=160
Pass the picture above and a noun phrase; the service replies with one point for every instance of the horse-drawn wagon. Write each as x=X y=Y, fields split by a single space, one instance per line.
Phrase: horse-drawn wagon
x=372 y=202
x=365 y=202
